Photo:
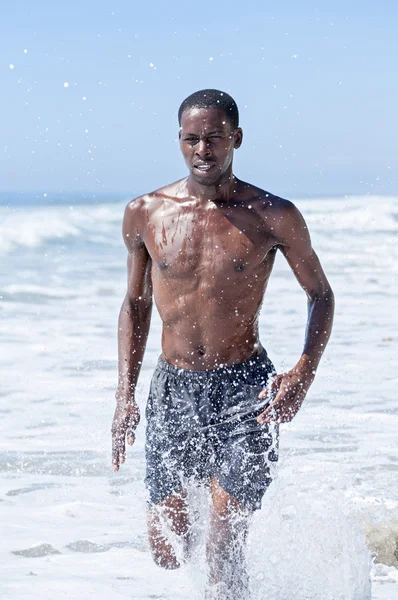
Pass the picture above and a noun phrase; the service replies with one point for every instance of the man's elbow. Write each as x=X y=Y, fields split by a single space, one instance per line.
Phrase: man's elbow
x=329 y=296
x=139 y=306
x=324 y=296
x=327 y=299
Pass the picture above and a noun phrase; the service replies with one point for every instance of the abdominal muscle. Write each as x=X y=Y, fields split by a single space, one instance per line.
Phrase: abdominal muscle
x=207 y=339
x=210 y=318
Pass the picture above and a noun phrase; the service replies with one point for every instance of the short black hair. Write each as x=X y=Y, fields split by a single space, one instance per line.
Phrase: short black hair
x=212 y=99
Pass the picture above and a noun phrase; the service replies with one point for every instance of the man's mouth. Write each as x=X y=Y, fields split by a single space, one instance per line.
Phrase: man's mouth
x=203 y=167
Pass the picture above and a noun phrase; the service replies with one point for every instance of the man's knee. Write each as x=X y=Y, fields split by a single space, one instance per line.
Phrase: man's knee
x=225 y=505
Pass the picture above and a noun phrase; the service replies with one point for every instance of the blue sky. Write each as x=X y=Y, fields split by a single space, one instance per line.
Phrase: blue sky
x=90 y=102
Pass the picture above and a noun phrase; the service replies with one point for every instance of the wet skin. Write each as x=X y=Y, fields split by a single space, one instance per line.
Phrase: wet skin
x=203 y=248
x=210 y=266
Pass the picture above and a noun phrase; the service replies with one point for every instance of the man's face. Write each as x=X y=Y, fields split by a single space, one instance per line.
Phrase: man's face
x=207 y=141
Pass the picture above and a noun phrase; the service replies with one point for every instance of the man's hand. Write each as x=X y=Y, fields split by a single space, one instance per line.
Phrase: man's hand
x=291 y=389
x=125 y=421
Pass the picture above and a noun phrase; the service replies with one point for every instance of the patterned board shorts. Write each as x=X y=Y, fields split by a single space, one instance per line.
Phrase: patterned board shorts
x=202 y=424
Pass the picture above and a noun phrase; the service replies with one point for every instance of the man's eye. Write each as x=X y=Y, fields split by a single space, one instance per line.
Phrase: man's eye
x=190 y=140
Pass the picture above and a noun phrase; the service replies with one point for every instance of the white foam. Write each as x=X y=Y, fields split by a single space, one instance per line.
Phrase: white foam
x=360 y=214
x=33 y=228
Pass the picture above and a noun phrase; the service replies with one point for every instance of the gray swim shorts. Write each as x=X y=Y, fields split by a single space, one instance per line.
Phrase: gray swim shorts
x=203 y=423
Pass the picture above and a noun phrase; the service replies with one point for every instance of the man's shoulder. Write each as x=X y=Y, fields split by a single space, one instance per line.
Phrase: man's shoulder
x=270 y=204
x=280 y=216
x=152 y=200
x=139 y=205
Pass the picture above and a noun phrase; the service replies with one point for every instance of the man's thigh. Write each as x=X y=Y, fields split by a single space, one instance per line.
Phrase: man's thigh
x=245 y=461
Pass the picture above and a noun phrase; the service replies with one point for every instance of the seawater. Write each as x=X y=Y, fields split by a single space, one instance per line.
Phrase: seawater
x=71 y=528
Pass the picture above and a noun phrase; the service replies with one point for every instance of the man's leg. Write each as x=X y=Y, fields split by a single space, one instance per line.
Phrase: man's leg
x=229 y=522
x=173 y=510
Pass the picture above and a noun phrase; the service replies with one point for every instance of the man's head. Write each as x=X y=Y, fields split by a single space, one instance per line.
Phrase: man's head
x=209 y=133
x=212 y=99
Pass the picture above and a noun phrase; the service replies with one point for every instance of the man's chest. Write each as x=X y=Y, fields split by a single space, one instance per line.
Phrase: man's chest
x=214 y=243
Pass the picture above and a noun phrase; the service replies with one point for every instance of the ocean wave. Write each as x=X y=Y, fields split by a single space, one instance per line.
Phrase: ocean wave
x=34 y=294
x=33 y=227
x=359 y=214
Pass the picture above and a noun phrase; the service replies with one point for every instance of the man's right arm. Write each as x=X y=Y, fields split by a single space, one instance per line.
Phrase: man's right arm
x=133 y=328
x=135 y=313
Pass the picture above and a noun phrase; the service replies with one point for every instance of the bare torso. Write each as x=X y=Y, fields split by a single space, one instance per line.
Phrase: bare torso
x=210 y=265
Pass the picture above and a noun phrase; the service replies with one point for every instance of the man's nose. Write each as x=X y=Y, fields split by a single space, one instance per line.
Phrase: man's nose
x=203 y=149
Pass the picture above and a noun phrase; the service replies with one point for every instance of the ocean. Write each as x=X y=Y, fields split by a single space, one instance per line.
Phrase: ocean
x=71 y=528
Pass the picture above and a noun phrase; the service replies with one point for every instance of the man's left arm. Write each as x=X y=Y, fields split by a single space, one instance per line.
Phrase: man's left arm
x=294 y=241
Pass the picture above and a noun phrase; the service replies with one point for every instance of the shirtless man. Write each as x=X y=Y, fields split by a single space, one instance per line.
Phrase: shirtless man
x=204 y=247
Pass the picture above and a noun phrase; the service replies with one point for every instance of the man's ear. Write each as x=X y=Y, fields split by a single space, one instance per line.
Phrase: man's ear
x=238 y=135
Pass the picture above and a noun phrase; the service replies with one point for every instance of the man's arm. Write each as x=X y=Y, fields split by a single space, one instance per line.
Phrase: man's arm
x=133 y=327
x=290 y=230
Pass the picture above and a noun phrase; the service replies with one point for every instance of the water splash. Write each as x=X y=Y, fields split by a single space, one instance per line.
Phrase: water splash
x=302 y=546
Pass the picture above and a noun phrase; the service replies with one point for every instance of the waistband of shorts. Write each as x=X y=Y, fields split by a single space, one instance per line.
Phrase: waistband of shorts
x=235 y=368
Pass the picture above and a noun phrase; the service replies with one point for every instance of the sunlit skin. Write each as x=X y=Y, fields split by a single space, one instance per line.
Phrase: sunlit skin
x=204 y=247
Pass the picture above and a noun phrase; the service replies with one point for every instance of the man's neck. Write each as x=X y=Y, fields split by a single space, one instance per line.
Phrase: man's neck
x=222 y=191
